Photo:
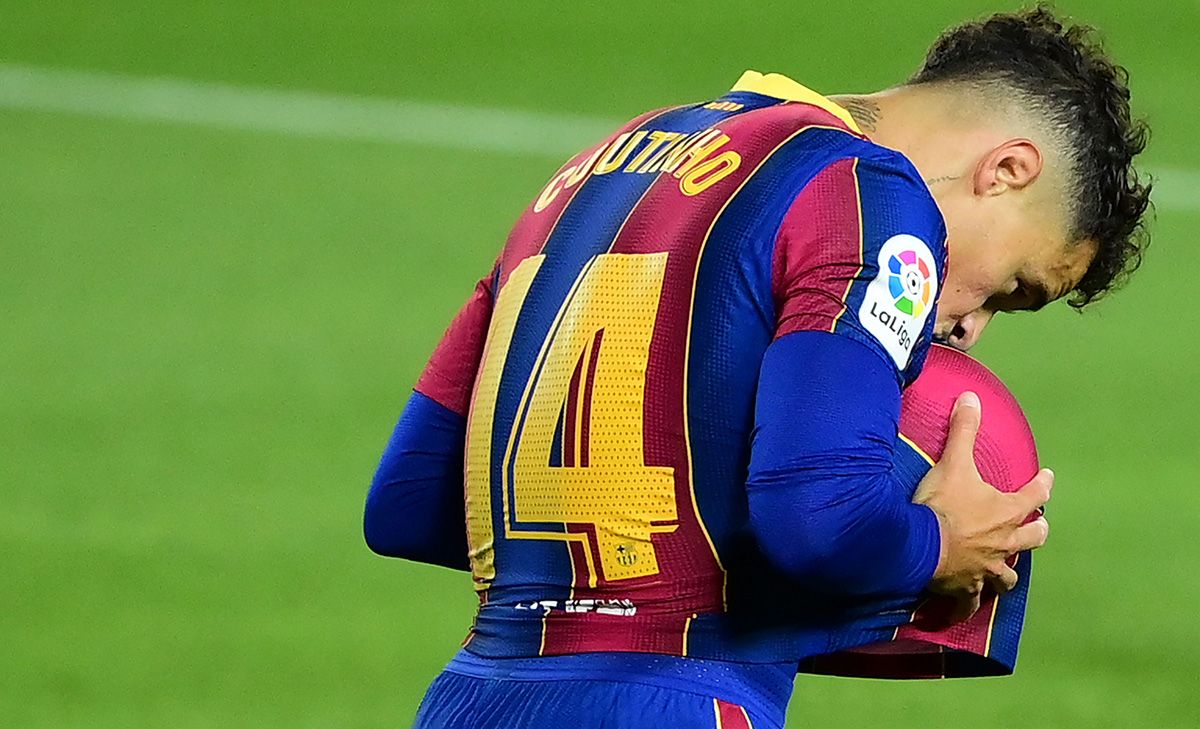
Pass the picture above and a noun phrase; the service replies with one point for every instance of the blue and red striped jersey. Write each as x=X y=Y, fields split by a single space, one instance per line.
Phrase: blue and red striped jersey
x=608 y=365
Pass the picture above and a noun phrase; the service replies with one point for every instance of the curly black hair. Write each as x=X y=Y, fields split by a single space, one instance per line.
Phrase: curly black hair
x=1063 y=72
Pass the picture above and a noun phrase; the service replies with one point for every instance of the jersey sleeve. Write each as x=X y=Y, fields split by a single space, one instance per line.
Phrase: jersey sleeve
x=415 y=508
x=861 y=253
x=449 y=376
x=825 y=505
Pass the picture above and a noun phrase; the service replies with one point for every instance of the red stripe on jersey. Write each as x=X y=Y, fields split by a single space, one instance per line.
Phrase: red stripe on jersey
x=570 y=437
x=449 y=376
x=818 y=252
x=970 y=635
x=731 y=716
x=586 y=419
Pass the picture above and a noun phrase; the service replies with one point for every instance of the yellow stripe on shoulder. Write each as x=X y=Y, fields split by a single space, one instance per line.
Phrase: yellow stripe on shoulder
x=782 y=87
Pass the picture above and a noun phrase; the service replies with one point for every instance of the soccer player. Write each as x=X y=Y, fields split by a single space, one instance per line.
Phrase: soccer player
x=674 y=401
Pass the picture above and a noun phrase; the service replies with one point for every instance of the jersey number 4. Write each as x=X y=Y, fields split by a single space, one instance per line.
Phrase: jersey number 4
x=573 y=469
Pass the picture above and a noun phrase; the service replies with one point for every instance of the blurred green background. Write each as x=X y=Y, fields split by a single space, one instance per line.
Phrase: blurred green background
x=206 y=334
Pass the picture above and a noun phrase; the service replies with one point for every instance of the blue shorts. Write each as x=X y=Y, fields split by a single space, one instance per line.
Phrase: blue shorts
x=606 y=691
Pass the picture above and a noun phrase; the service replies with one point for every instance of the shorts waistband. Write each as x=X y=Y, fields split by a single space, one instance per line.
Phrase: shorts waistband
x=762 y=688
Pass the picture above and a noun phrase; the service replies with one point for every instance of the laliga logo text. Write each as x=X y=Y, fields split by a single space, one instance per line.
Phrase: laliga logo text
x=894 y=325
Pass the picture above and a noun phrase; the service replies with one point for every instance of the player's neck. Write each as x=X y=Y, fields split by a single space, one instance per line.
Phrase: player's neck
x=923 y=123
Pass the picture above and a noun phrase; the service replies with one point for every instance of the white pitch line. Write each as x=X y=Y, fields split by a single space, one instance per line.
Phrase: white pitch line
x=359 y=118
x=296 y=113
x=1176 y=189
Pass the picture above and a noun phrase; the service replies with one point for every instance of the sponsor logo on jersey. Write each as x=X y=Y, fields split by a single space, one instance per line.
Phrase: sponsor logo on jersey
x=622 y=607
x=900 y=297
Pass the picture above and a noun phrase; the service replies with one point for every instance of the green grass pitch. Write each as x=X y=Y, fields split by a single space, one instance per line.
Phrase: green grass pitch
x=206 y=335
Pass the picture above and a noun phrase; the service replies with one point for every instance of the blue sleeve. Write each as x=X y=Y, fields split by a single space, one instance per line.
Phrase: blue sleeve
x=415 y=506
x=824 y=504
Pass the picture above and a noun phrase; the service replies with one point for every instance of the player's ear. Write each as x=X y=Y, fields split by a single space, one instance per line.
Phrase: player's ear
x=1013 y=165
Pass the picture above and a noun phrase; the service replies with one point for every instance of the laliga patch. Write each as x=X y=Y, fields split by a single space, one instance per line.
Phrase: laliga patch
x=900 y=297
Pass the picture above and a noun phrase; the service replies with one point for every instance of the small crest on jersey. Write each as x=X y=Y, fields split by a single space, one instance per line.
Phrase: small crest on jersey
x=901 y=296
x=627 y=555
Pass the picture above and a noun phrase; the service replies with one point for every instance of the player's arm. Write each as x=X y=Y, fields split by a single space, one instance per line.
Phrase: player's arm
x=415 y=507
x=824 y=502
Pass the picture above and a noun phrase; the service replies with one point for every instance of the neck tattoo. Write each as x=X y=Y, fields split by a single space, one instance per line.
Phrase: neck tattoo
x=864 y=111
x=944 y=178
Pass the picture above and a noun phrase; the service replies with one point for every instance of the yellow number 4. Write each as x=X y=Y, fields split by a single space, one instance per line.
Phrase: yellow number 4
x=607 y=322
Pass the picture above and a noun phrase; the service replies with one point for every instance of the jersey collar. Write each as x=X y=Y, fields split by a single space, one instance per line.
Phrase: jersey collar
x=782 y=87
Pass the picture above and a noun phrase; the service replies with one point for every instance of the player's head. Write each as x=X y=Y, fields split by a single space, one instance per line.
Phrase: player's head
x=1039 y=193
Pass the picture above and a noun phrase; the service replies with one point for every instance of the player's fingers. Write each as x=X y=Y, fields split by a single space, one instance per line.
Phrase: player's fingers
x=1034 y=495
x=964 y=426
x=964 y=607
x=1031 y=535
x=1003 y=579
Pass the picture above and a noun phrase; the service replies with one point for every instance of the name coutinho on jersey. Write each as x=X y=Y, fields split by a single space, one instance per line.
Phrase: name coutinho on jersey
x=696 y=160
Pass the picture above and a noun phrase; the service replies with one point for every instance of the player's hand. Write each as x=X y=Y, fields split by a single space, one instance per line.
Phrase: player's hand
x=981 y=527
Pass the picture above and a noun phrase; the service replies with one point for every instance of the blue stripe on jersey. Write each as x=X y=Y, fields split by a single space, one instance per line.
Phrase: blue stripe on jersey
x=556 y=455
x=909 y=465
x=1010 y=616
x=750 y=99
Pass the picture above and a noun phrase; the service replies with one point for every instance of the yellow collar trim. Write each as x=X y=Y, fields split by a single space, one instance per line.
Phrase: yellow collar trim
x=782 y=87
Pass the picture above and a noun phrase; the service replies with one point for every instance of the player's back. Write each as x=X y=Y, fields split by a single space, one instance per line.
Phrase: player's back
x=611 y=419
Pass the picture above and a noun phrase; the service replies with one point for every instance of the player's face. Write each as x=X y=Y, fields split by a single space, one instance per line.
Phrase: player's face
x=1022 y=270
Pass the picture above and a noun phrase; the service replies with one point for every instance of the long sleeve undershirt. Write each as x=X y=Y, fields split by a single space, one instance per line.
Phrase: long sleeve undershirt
x=824 y=503
x=415 y=505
